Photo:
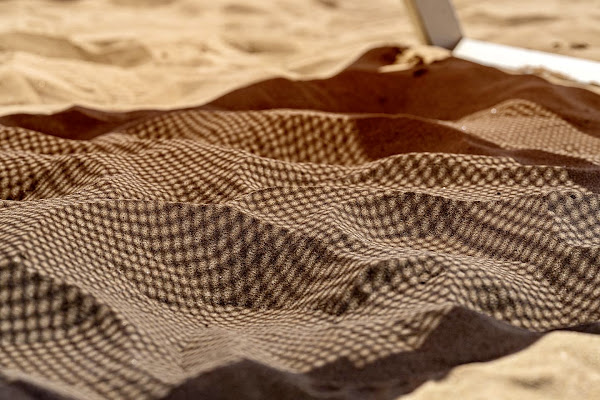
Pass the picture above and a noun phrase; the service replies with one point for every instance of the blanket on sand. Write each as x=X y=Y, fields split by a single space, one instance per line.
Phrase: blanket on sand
x=345 y=238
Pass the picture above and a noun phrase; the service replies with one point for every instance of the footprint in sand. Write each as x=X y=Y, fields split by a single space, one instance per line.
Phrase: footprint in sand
x=260 y=44
x=328 y=3
x=242 y=9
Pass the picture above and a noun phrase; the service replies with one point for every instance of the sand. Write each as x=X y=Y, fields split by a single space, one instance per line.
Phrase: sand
x=116 y=55
x=168 y=54
x=559 y=366
x=176 y=53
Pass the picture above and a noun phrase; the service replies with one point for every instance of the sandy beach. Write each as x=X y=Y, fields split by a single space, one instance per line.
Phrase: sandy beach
x=168 y=54
x=296 y=96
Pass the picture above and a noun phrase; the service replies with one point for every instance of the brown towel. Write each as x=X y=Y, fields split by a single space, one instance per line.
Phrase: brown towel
x=347 y=238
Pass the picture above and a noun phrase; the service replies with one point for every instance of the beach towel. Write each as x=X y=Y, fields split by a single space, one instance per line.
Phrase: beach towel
x=343 y=238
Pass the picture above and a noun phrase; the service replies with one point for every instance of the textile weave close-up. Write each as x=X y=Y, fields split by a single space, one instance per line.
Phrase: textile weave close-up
x=298 y=239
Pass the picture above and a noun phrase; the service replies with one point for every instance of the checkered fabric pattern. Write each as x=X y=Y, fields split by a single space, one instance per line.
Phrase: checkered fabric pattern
x=193 y=240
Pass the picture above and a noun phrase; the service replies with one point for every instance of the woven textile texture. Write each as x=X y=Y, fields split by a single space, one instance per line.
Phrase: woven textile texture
x=347 y=238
